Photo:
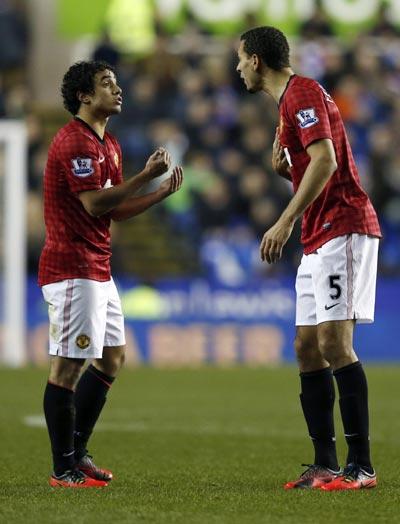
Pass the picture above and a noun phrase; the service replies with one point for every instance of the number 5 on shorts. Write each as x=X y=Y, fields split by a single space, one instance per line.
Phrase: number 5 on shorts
x=335 y=286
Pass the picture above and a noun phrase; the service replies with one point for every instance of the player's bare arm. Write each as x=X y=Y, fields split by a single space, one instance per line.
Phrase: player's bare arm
x=321 y=167
x=136 y=205
x=279 y=161
x=99 y=202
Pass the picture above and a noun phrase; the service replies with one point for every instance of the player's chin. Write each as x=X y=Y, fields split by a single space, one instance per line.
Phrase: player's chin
x=252 y=89
x=116 y=109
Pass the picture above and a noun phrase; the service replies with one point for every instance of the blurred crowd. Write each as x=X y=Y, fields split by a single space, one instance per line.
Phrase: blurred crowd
x=188 y=97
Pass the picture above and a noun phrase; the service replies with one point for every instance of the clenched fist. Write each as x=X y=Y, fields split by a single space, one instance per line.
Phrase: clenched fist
x=158 y=163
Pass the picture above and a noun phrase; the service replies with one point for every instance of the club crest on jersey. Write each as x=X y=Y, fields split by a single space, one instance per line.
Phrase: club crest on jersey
x=82 y=167
x=307 y=117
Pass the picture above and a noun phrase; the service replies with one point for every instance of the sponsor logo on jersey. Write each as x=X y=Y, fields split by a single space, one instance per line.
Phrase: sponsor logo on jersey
x=82 y=341
x=82 y=167
x=307 y=117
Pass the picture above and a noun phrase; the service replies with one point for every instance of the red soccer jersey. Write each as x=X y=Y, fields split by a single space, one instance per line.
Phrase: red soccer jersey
x=308 y=113
x=77 y=245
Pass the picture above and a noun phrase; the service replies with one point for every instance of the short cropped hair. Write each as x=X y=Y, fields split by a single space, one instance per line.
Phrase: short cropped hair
x=270 y=44
x=80 y=78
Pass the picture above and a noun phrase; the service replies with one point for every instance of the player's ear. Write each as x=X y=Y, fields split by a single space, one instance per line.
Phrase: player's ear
x=84 y=98
x=256 y=62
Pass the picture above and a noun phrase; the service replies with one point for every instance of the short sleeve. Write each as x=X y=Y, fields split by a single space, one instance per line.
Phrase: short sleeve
x=307 y=111
x=79 y=158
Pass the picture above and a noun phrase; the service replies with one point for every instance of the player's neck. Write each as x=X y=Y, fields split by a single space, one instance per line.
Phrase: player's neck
x=97 y=124
x=275 y=82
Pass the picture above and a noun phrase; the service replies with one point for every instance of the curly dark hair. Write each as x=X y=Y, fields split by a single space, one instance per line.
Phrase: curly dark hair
x=270 y=44
x=80 y=78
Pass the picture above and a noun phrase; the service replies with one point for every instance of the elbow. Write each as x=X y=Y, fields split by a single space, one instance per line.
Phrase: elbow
x=333 y=166
x=328 y=164
x=91 y=204
x=115 y=217
x=92 y=211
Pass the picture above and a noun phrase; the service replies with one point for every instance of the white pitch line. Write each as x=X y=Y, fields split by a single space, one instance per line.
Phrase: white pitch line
x=38 y=421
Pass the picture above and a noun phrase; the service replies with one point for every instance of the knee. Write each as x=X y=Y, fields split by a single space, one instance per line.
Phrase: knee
x=65 y=373
x=335 y=351
x=111 y=363
x=299 y=348
x=118 y=360
x=307 y=353
x=121 y=360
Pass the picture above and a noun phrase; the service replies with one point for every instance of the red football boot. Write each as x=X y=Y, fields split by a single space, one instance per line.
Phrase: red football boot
x=313 y=477
x=353 y=477
x=75 y=479
x=89 y=468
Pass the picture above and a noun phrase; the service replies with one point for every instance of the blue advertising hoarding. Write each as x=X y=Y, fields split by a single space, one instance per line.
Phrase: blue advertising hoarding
x=195 y=322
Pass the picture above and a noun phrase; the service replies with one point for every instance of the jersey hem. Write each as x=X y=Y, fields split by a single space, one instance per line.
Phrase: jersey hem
x=312 y=247
x=45 y=282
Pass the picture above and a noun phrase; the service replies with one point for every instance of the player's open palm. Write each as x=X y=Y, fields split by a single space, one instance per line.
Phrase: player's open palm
x=172 y=183
x=159 y=162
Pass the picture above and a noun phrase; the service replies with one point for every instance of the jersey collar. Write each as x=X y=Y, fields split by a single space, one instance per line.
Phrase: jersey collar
x=90 y=129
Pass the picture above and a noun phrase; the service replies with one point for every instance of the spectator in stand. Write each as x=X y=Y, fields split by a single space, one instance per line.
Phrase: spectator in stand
x=107 y=51
x=318 y=25
x=14 y=34
x=383 y=26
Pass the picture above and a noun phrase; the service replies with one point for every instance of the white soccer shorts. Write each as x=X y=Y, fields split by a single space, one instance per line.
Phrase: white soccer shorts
x=338 y=281
x=84 y=316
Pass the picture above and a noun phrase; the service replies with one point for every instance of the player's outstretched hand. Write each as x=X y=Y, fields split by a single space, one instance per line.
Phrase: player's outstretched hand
x=274 y=239
x=279 y=160
x=172 y=183
x=159 y=162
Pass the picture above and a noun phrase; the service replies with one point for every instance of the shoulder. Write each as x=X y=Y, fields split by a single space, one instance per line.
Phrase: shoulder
x=70 y=139
x=303 y=88
x=304 y=92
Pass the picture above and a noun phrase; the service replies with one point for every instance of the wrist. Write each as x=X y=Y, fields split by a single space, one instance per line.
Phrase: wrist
x=289 y=218
x=161 y=194
x=146 y=174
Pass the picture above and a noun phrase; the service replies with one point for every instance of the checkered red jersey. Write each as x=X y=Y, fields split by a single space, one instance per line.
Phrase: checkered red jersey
x=77 y=245
x=308 y=113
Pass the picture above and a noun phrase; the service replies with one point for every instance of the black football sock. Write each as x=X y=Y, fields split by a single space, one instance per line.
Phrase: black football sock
x=353 y=393
x=59 y=411
x=90 y=397
x=317 y=400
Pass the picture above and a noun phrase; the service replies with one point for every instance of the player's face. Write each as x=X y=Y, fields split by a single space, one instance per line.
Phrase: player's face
x=107 y=97
x=247 y=68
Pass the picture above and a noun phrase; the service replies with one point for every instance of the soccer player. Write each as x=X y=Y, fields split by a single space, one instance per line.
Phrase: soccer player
x=336 y=279
x=83 y=191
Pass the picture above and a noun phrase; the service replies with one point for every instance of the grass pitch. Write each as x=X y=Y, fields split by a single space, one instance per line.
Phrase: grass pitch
x=194 y=446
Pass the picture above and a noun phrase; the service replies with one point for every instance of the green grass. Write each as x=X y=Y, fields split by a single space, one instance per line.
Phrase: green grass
x=194 y=446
